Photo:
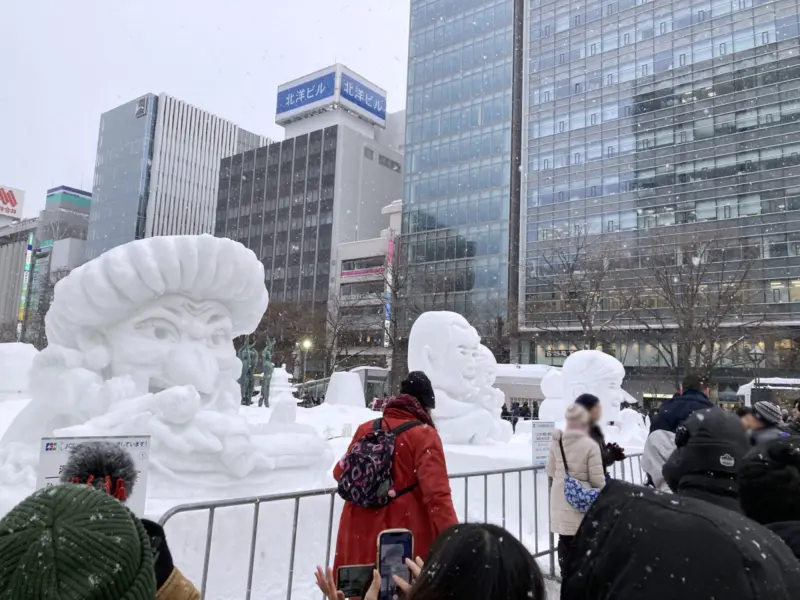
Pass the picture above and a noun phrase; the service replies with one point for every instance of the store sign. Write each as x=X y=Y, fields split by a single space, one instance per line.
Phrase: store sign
x=26 y=277
x=557 y=353
x=366 y=100
x=306 y=95
x=11 y=202
x=362 y=272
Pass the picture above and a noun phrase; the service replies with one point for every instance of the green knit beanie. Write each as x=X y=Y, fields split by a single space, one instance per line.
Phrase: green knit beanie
x=72 y=542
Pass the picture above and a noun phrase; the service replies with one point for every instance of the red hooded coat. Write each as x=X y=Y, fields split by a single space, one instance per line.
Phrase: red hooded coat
x=427 y=510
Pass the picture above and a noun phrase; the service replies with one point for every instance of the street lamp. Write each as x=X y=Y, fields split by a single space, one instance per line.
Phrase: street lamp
x=306 y=345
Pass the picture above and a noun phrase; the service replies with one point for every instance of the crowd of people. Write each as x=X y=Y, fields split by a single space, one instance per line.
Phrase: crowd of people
x=719 y=516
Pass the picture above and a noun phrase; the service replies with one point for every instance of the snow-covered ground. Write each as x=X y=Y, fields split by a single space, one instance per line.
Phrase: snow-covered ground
x=516 y=500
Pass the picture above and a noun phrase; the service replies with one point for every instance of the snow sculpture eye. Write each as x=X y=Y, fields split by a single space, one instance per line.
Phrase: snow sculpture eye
x=160 y=329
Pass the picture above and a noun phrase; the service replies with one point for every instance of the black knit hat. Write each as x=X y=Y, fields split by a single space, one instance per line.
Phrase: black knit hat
x=418 y=385
x=769 y=481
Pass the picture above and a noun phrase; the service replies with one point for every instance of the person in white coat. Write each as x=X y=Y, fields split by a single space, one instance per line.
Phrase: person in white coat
x=584 y=463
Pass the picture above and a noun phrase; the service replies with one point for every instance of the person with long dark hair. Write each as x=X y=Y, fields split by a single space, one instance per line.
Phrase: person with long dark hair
x=469 y=561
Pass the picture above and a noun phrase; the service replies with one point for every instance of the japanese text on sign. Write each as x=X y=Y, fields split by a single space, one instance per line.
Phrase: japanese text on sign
x=304 y=94
x=362 y=96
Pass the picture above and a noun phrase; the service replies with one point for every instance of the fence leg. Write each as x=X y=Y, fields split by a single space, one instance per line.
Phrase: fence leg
x=466 y=499
x=485 y=498
x=519 y=503
x=294 y=548
x=330 y=533
x=622 y=464
x=207 y=553
x=252 y=550
x=536 y=510
x=504 y=500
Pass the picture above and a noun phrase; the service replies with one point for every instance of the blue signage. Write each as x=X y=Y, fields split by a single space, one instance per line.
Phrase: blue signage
x=304 y=94
x=364 y=97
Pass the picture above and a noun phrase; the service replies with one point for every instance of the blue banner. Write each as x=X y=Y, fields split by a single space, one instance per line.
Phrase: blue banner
x=304 y=94
x=364 y=97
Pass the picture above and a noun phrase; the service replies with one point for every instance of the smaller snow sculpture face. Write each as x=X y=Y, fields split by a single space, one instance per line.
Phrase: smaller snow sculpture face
x=444 y=345
x=486 y=367
x=595 y=372
x=175 y=341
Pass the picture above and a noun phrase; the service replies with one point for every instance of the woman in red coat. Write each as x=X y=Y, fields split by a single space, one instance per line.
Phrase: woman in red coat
x=427 y=509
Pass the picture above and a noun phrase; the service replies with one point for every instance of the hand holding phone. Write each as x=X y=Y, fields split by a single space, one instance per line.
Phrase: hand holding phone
x=395 y=546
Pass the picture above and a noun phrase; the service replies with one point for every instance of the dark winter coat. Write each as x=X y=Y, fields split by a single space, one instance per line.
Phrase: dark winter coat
x=765 y=435
x=677 y=409
x=710 y=446
x=789 y=532
x=172 y=584
x=427 y=510
x=597 y=435
x=637 y=543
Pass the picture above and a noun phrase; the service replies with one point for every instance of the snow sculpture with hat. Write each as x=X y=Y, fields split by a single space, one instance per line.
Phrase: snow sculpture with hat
x=141 y=341
x=447 y=349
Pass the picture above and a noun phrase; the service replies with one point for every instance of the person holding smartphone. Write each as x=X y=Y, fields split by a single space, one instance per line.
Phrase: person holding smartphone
x=423 y=503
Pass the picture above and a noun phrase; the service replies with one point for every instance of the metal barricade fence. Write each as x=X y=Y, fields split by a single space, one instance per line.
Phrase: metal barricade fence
x=510 y=516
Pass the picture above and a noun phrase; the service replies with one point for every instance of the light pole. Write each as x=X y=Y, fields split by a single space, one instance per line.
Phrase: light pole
x=306 y=346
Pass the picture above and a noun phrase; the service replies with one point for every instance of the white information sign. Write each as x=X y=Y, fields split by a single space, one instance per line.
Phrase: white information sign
x=54 y=453
x=542 y=436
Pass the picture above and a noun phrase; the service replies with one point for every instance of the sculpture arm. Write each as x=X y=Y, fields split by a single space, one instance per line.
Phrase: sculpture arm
x=434 y=483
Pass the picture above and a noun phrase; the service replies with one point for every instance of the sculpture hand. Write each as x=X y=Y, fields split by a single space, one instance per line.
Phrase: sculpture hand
x=177 y=405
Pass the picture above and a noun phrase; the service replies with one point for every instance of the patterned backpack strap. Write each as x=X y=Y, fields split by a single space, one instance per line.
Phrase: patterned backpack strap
x=563 y=456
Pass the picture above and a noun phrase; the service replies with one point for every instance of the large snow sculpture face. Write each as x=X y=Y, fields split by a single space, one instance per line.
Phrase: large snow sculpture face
x=595 y=372
x=444 y=345
x=173 y=341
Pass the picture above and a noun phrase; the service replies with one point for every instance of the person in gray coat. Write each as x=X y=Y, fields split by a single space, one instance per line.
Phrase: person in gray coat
x=763 y=423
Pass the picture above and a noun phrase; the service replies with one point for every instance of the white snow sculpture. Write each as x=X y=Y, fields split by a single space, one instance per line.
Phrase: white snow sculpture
x=281 y=398
x=141 y=341
x=584 y=372
x=489 y=396
x=345 y=389
x=632 y=429
x=555 y=404
x=15 y=365
x=445 y=346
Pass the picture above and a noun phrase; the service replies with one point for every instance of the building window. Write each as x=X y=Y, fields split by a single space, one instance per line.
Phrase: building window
x=663 y=28
x=682 y=60
x=369 y=153
x=389 y=163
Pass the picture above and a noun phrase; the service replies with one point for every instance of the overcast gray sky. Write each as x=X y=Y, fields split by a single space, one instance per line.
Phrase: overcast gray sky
x=64 y=63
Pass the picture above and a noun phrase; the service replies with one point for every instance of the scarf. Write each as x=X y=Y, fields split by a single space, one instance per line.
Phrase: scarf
x=409 y=405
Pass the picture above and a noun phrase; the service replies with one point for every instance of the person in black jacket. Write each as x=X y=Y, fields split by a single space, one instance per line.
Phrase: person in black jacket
x=610 y=453
x=711 y=444
x=636 y=543
x=660 y=443
x=769 y=488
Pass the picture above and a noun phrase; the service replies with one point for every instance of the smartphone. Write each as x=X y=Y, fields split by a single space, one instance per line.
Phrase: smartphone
x=394 y=547
x=354 y=580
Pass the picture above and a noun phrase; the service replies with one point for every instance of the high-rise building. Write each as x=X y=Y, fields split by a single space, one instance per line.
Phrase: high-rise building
x=654 y=127
x=294 y=202
x=458 y=166
x=16 y=254
x=157 y=170
x=59 y=246
x=643 y=126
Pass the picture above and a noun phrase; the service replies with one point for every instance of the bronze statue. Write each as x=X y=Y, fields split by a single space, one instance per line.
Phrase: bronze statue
x=248 y=356
x=268 y=368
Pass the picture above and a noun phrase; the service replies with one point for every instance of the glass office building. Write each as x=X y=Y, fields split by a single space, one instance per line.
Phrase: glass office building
x=458 y=143
x=122 y=175
x=653 y=118
x=278 y=201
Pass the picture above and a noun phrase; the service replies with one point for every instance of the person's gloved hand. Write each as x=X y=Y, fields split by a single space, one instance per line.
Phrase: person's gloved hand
x=615 y=451
x=162 y=557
